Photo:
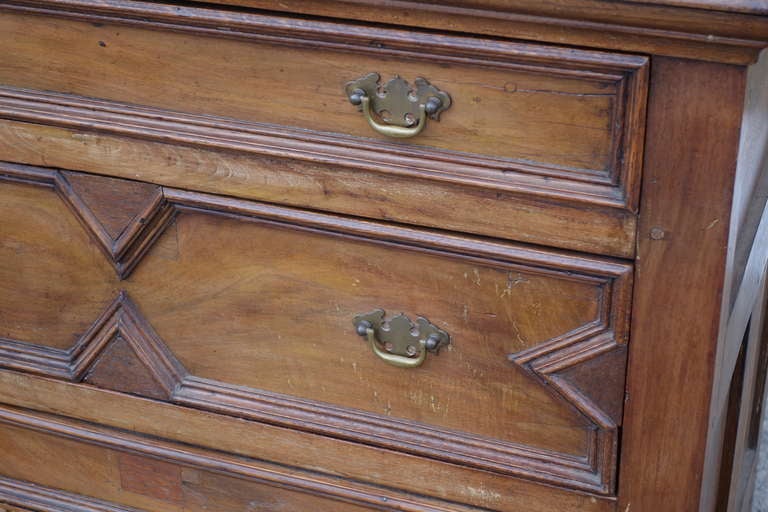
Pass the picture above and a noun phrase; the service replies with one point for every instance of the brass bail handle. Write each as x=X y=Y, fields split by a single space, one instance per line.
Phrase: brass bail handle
x=405 y=109
x=399 y=342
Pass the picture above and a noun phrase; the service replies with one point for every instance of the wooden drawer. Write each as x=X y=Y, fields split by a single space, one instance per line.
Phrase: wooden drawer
x=79 y=466
x=549 y=138
x=246 y=309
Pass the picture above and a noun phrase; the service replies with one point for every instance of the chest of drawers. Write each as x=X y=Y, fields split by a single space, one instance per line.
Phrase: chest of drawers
x=416 y=256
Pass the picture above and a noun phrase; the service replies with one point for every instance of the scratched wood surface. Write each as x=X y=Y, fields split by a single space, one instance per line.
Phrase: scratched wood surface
x=271 y=308
x=522 y=114
x=172 y=343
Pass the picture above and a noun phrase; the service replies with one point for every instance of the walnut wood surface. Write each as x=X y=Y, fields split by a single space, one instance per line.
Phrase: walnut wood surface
x=21 y=496
x=91 y=445
x=601 y=230
x=506 y=103
x=324 y=455
x=137 y=480
x=175 y=326
x=688 y=186
x=259 y=291
x=539 y=129
x=724 y=31
x=69 y=265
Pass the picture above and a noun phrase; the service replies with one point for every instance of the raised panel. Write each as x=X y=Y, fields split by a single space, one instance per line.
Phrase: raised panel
x=561 y=110
x=246 y=309
x=549 y=137
x=274 y=309
x=330 y=459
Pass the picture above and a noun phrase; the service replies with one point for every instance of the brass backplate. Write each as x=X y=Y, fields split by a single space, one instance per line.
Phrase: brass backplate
x=396 y=102
x=402 y=337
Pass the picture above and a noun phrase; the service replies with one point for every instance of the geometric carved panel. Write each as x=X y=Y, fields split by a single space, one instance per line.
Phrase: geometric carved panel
x=114 y=203
x=120 y=368
x=122 y=215
x=125 y=354
x=580 y=370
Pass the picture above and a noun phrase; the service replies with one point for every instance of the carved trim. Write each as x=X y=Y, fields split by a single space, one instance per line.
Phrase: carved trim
x=37 y=498
x=125 y=251
x=401 y=435
x=591 y=268
x=595 y=472
x=37 y=359
x=693 y=29
x=291 y=31
x=609 y=187
x=158 y=125
x=123 y=318
x=239 y=467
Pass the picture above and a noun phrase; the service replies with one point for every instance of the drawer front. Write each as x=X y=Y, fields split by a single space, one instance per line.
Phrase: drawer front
x=47 y=471
x=55 y=464
x=556 y=132
x=255 y=311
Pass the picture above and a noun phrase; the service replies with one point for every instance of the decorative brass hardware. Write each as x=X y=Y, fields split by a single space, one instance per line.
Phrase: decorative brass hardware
x=402 y=108
x=398 y=341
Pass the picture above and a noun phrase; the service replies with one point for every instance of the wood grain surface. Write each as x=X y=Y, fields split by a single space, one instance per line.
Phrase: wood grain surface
x=67 y=443
x=732 y=31
x=683 y=238
x=246 y=309
x=542 y=106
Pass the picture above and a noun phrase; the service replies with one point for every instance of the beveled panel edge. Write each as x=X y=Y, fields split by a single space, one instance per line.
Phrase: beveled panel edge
x=125 y=250
x=630 y=73
x=422 y=440
x=18 y=493
x=594 y=473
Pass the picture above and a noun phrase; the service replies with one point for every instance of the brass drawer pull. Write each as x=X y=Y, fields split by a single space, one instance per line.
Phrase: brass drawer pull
x=398 y=341
x=404 y=109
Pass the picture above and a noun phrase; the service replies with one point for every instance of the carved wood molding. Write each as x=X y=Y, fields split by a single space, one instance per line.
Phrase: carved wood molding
x=732 y=31
x=401 y=435
x=126 y=246
x=239 y=467
x=17 y=493
x=597 y=187
x=121 y=320
x=549 y=362
x=606 y=186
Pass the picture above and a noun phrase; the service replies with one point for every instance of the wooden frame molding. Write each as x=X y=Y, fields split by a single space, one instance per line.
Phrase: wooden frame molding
x=581 y=197
x=124 y=250
x=44 y=499
x=720 y=31
x=615 y=186
x=551 y=363
x=209 y=132
x=312 y=483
